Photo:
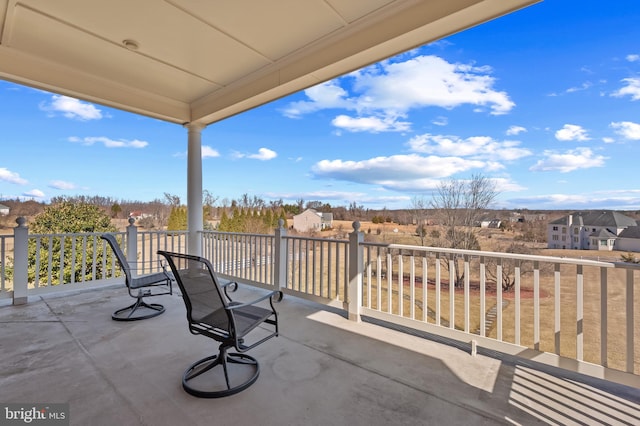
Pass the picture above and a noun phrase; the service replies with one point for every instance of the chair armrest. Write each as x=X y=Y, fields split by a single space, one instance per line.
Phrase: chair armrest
x=277 y=293
x=229 y=286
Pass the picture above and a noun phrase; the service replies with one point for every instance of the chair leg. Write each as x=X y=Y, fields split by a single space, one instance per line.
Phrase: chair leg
x=223 y=358
x=138 y=311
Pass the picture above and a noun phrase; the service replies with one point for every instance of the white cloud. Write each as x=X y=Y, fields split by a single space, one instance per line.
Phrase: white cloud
x=72 y=108
x=109 y=143
x=592 y=200
x=608 y=140
x=553 y=200
x=34 y=193
x=60 y=184
x=322 y=96
x=580 y=158
x=632 y=89
x=208 y=152
x=370 y=124
x=428 y=81
x=440 y=121
x=362 y=197
x=263 y=154
x=632 y=57
x=515 y=130
x=583 y=86
x=572 y=132
x=398 y=172
x=382 y=93
x=627 y=129
x=507 y=185
x=11 y=177
x=477 y=147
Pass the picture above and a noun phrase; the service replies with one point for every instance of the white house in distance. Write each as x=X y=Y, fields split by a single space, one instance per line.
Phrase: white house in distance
x=4 y=210
x=594 y=230
x=311 y=220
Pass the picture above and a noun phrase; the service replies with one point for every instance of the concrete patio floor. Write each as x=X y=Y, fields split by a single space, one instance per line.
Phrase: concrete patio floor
x=322 y=370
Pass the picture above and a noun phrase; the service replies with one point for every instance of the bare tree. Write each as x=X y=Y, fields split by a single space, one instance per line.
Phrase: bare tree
x=508 y=278
x=172 y=200
x=418 y=211
x=459 y=205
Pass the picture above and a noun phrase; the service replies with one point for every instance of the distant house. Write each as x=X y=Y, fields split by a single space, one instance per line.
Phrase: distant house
x=629 y=239
x=594 y=230
x=311 y=220
x=491 y=223
x=138 y=215
x=4 y=210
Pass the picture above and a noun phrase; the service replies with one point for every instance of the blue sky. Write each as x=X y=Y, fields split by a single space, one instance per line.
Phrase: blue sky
x=545 y=101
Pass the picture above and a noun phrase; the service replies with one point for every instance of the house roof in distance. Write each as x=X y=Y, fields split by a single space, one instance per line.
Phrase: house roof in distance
x=597 y=218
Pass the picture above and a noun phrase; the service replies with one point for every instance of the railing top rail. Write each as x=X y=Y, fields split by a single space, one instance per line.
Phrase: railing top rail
x=73 y=234
x=299 y=237
x=162 y=231
x=479 y=253
x=237 y=233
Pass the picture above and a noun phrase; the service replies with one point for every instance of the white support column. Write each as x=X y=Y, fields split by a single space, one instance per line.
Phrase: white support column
x=194 y=189
x=20 y=262
x=356 y=270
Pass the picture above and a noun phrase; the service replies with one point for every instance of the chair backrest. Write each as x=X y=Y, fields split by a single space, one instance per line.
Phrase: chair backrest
x=201 y=291
x=120 y=257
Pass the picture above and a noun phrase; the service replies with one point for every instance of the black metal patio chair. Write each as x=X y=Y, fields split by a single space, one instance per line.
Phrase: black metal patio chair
x=154 y=284
x=212 y=313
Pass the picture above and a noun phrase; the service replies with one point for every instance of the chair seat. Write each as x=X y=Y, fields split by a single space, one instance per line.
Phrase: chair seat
x=158 y=278
x=246 y=318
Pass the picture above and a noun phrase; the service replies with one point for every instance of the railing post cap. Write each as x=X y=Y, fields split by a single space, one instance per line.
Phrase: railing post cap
x=21 y=221
x=280 y=223
x=131 y=221
x=356 y=226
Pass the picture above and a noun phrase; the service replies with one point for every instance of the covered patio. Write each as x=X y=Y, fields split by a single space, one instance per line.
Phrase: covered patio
x=194 y=64
x=323 y=369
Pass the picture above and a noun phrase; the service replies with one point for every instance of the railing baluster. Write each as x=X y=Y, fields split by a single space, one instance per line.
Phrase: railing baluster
x=412 y=289
x=379 y=278
x=556 y=307
x=629 y=297
x=83 y=267
x=50 y=261
x=36 y=283
x=579 y=314
x=425 y=290
x=438 y=267
x=517 y=297
x=483 y=297
x=467 y=283
x=536 y=305
x=499 y=300
x=400 y=285
x=389 y=282
x=604 y=296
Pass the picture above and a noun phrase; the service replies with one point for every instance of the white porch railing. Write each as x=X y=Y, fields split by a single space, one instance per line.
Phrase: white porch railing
x=573 y=313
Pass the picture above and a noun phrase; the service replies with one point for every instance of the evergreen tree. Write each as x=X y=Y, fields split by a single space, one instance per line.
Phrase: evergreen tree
x=67 y=218
x=177 y=219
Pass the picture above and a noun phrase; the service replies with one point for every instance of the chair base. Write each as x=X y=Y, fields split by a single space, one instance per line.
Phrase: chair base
x=250 y=370
x=138 y=311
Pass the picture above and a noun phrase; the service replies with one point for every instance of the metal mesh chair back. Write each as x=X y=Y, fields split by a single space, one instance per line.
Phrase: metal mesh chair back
x=120 y=257
x=201 y=291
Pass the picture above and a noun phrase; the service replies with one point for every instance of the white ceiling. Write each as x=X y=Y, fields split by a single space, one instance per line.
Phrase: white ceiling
x=205 y=60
